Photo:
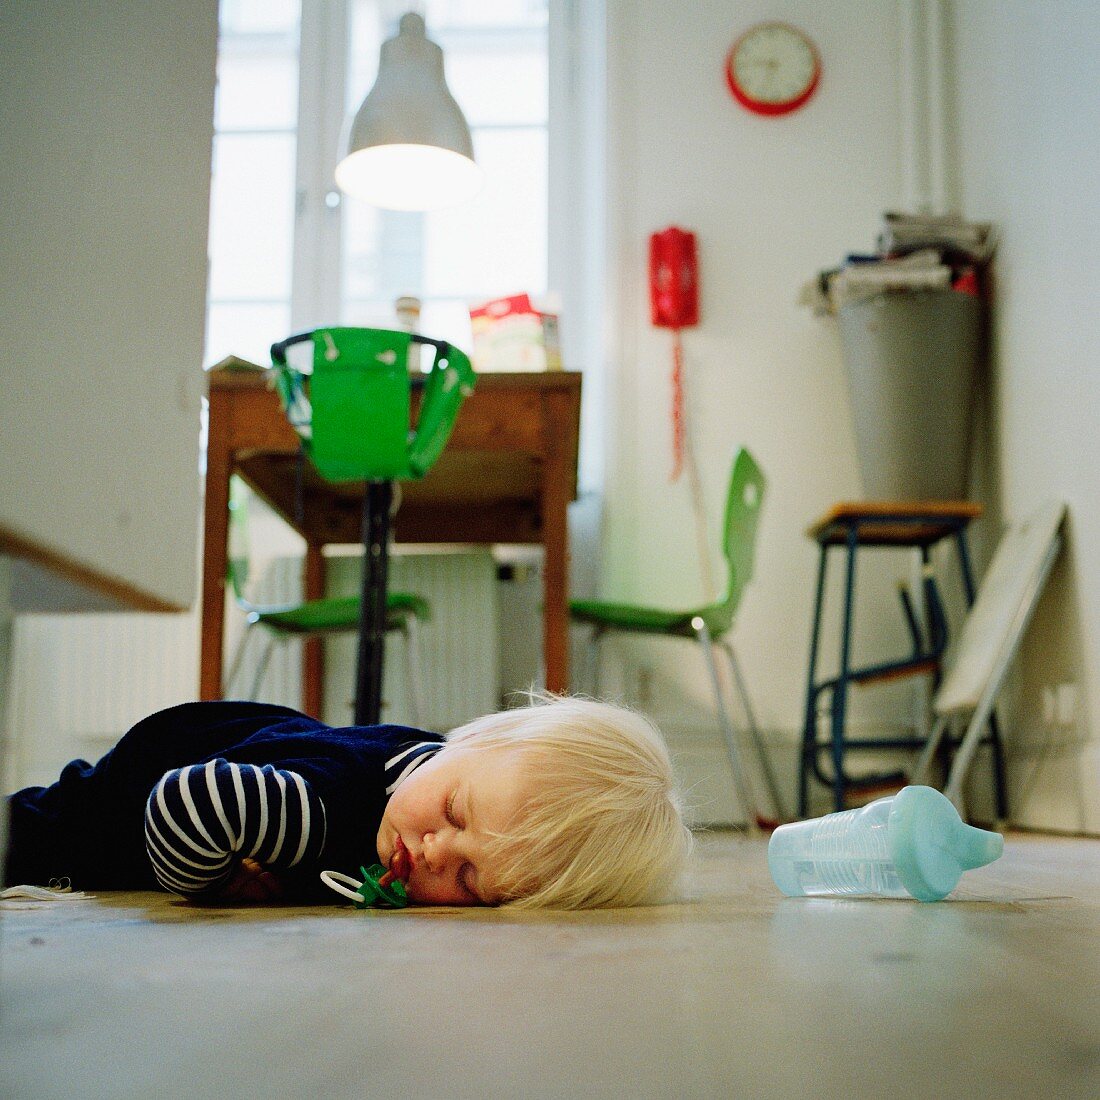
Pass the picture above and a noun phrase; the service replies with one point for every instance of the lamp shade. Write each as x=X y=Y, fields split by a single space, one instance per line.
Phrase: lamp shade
x=409 y=147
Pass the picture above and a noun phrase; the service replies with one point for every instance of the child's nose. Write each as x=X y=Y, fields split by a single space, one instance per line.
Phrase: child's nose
x=436 y=849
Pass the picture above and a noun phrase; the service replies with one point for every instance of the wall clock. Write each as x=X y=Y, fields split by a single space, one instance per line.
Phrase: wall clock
x=773 y=69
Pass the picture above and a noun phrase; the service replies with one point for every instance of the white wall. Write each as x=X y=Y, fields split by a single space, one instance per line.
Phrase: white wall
x=1028 y=102
x=772 y=201
x=106 y=120
x=775 y=200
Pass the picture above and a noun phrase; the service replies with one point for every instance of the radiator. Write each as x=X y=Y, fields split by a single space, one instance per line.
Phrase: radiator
x=459 y=652
x=78 y=682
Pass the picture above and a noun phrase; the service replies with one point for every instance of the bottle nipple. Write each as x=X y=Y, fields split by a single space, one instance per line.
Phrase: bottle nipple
x=977 y=847
x=931 y=846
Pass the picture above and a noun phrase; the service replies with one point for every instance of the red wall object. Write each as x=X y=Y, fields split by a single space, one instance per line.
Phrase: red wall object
x=673 y=278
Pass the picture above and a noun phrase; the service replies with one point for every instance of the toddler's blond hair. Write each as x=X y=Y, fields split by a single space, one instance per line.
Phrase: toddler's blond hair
x=604 y=823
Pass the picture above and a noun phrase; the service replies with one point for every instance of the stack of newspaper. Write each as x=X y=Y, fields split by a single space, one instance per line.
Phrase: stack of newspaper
x=905 y=233
x=915 y=252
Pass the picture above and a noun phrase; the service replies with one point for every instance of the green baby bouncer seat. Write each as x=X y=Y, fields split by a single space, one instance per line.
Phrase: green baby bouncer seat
x=352 y=408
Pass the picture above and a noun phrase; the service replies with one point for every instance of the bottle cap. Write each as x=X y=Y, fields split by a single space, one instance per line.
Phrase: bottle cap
x=931 y=845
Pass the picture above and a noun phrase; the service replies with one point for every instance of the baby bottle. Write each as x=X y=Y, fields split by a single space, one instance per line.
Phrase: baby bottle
x=912 y=844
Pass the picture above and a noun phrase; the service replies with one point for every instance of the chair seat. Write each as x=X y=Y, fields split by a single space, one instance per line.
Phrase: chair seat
x=648 y=620
x=339 y=613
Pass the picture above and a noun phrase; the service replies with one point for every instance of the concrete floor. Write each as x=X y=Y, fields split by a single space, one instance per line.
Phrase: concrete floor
x=737 y=992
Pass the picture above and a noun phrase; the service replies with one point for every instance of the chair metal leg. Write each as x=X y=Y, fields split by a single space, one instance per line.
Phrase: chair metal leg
x=754 y=729
x=969 y=744
x=411 y=630
x=261 y=668
x=981 y=715
x=238 y=658
x=983 y=712
x=593 y=651
x=919 y=773
x=740 y=776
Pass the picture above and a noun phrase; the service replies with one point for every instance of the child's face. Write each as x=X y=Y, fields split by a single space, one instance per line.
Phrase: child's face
x=444 y=816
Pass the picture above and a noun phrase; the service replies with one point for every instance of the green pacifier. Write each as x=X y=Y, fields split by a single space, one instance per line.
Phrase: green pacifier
x=379 y=894
x=380 y=889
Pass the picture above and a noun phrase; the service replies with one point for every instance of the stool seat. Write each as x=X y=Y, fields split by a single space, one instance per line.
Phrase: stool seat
x=894 y=523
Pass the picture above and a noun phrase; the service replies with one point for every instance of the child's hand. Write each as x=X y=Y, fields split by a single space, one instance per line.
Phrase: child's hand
x=251 y=882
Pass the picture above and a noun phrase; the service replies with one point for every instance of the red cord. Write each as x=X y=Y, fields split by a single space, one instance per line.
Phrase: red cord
x=677 y=406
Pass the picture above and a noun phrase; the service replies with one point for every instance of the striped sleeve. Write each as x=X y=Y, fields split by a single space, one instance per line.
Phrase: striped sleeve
x=200 y=820
x=408 y=758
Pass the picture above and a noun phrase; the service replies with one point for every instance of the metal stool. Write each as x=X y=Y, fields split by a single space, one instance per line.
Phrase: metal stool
x=916 y=525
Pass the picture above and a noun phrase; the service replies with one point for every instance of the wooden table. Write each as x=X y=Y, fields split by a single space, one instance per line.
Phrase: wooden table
x=507 y=476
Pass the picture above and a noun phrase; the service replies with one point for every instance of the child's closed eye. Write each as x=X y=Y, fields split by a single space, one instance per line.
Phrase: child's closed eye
x=449 y=810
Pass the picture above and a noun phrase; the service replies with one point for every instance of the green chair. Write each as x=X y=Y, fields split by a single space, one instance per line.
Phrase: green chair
x=707 y=624
x=353 y=412
x=311 y=618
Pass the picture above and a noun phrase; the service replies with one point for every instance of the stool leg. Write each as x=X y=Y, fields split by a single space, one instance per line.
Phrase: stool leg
x=840 y=691
x=964 y=566
x=809 y=725
x=920 y=771
x=372 y=604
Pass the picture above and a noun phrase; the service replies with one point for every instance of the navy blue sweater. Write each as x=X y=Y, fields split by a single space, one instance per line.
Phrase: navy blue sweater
x=190 y=790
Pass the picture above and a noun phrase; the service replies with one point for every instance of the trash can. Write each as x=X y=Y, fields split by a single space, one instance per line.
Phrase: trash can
x=912 y=359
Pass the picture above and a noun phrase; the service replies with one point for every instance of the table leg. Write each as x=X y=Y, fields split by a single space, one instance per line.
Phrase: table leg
x=555 y=539
x=215 y=550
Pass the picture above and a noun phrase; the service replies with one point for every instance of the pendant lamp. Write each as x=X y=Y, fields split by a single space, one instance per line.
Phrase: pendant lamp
x=409 y=147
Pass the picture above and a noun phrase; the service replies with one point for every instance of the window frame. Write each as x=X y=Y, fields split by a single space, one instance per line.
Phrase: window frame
x=317 y=260
x=579 y=278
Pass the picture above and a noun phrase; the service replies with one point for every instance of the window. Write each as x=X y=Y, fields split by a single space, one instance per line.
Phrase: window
x=287 y=251
x=252 y=196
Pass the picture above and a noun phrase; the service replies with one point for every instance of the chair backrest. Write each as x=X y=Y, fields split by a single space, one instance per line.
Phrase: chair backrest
x=354 y=411
x=743 y=504
x=249 y=561
x=1007 y=597
x=447 y=385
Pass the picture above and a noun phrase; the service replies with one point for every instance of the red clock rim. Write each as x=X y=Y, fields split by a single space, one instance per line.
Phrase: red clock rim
x=763 y=107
